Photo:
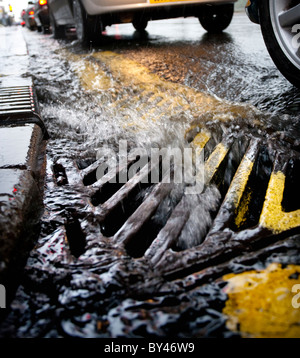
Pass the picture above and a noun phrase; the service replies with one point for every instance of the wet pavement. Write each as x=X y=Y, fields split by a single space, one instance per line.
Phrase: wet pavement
x=22 y=159
x=143 y=260
x=14 y=59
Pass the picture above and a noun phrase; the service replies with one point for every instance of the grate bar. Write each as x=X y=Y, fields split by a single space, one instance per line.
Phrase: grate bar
x=120 y=195
x=143 y=213
x=168 y=236
x=14 y=99
x=18 y=106
x=234 y=195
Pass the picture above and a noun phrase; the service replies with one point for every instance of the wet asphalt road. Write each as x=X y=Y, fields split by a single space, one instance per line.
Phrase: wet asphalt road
x=234 y=65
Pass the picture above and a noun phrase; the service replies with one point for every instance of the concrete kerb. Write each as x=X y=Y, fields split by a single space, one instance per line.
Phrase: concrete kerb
x=22 y=159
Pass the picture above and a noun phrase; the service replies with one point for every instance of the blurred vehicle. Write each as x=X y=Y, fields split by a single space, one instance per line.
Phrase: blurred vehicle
x=28 y=17
x=6 y=15
x=280 y=26
x=42 y=18
x=23 y=22
x=90 y=17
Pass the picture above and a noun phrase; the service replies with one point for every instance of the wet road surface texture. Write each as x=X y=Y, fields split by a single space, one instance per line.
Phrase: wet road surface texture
x=148 y=260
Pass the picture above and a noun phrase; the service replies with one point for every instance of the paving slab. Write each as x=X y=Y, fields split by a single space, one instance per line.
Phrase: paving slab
x=14 y=59
x=22 y=158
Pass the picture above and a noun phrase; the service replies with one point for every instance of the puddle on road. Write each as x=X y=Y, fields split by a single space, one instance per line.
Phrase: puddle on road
x=94 y=288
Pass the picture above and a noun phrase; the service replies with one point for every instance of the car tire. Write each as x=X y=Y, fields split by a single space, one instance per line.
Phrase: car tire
x=88 y=28
x=216 y=18
x=279 y=39
x=140 y=24
x=46 y=30
x=59 y=32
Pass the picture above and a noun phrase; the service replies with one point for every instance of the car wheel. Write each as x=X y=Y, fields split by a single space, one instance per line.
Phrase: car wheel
x=88 y=28
x=216 y=18
x=58 y=32
x=46 y=30
x=140 y=24
x=280 y=25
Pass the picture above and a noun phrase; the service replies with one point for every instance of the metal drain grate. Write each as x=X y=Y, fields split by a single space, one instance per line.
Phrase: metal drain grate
x=18 y=105
x=136 y=259
x=247 y=176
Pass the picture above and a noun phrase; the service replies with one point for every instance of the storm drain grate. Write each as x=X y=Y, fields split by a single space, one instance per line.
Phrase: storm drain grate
x=18 y=105
x=250 y=197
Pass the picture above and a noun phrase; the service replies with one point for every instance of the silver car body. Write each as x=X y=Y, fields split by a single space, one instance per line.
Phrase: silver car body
x=98 y=7
x=62 y=9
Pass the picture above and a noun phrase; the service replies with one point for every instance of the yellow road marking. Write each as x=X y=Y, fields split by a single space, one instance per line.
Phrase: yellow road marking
x=201 y=139
x=199 y=143
x=239 y=181
x=141 y=96
x=259 y=303
x=91 y=76
x=272 y=216
x=243 y=209
x=213 y=162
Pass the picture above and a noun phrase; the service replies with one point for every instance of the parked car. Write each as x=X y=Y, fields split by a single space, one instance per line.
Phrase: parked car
x=280 y=26
x=42 y=15
x=23 y=22
x=90 y=17
x=6 y=15
x=28 y=16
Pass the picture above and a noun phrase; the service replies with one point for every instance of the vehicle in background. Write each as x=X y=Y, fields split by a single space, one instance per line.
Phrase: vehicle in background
x=90 y=17
x=280 y=26
x=28 y=17
x=42 y=18
x=6 y=15
x=23 y=22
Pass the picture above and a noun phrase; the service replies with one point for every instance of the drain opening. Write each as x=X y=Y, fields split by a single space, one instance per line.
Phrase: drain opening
x=84 y=163
x=111 y=180
x=291 y=194
x=226 y=171
x=202 y=212
x=142 y=239
x=125 y=208
x=60 y=174
x=90 y=178
x=74 y=235
x=106 y=191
